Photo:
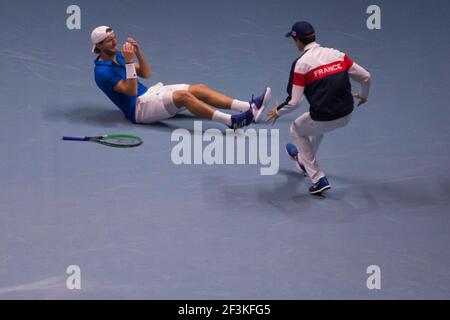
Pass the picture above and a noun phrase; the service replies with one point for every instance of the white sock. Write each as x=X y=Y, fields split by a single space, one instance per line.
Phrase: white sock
x=222 y=117
x=240 y=106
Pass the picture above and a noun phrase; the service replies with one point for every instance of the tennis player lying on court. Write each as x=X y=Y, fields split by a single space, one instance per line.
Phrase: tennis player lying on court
x=116 y=75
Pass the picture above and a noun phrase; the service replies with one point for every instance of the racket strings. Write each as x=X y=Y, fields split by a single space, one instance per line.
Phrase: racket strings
x=121 y=141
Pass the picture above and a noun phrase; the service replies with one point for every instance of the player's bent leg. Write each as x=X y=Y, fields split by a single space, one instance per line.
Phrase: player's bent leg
x=211 y=96
x=186 y=99
x=218 y=99
x=199 y=108
x=300 y=131
x=316 y=140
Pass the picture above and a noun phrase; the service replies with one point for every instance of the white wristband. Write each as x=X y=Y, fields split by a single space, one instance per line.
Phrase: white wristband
x=131 y=71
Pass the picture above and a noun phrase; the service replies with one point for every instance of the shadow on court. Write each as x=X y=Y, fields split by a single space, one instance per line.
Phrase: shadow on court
x=96 y=116
x=350 y=197
x=105 y=117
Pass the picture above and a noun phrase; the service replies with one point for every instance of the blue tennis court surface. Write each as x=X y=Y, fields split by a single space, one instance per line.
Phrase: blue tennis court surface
x=141 y=227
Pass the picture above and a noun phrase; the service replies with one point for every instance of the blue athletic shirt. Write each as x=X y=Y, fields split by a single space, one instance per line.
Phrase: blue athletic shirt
x=107 y=75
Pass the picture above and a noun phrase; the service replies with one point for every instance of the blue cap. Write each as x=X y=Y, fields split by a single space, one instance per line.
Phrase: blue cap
x=300 y=30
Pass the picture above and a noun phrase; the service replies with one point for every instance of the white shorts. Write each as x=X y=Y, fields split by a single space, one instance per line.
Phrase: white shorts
x=157 y=103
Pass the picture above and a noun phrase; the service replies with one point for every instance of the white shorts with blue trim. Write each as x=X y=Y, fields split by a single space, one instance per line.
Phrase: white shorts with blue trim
x=157 y=103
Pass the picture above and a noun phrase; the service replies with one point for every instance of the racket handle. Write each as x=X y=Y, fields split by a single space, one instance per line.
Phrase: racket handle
x=75 y=138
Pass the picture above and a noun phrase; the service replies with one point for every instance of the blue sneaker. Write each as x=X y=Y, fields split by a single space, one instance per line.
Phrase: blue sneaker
x=320 y=186
x=259 y=103
x=242 y=119
x=292 y=151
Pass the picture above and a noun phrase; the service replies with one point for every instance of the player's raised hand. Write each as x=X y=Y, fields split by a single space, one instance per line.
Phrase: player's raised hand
x=128 y=52
x=137 y=47
x=272 y=116
x=361 y=99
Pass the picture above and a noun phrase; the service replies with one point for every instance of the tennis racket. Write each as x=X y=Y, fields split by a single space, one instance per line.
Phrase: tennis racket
x=111 y=140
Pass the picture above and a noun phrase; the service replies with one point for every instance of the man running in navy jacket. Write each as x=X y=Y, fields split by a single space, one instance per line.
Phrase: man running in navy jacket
x=323 y=76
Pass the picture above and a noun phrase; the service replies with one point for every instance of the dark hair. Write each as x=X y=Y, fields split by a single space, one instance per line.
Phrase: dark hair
x=308 y=38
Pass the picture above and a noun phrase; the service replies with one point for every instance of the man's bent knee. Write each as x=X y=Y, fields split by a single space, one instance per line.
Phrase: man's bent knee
x=181 y=97
x=294 y=130
x=198 y=88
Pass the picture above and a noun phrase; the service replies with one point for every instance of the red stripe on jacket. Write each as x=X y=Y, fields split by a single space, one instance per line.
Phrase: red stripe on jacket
x=328 y=70
x=299 y=79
